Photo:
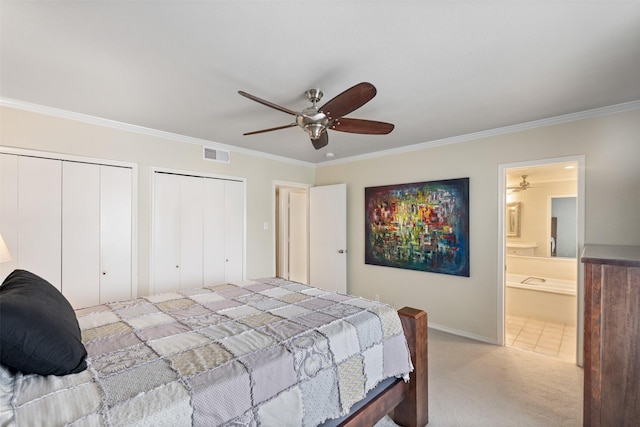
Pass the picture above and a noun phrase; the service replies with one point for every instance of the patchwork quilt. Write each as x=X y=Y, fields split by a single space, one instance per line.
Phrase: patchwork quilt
x=268 y=352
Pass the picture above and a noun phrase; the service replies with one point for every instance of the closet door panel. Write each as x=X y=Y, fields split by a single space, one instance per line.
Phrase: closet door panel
x=81 y=233
x=191 y=230
x=200 y=222
x=214 y=232
x=166 y=233
x=9 y=210
x=234 y=230
x=115 y=234
x=40 y=217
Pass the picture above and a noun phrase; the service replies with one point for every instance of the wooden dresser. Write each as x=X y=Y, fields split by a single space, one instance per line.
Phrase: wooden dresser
x=612 y=335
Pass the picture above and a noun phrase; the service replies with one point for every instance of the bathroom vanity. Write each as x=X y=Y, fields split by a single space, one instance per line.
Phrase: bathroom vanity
x=612 y=335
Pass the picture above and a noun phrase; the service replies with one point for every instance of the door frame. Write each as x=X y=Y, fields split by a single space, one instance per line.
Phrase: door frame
x=580 y=235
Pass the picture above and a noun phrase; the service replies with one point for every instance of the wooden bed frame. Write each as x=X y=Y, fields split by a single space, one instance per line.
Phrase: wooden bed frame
x=408 y=401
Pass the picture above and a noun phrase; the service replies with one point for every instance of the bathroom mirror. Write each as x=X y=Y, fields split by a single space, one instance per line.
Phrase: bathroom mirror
x=513 y=219
x=563 y=227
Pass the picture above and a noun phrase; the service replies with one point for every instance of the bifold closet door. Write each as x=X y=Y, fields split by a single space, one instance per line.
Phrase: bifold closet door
x=198 y=227
x=9 y=210
x=96 y=233
x=234 y=230
x=116 y=258
x=178 y=232
x=81 y=233
x=69 y=222
x=191 y=231
x=39 y=217
x=224 y=229
x=166 y=233
x=214 y=232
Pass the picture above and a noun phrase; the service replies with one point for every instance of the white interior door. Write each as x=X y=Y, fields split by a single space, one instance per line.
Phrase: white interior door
x=328 y=237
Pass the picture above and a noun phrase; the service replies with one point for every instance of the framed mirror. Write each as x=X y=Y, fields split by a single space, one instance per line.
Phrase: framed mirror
x=563 y=213
x=513 y=219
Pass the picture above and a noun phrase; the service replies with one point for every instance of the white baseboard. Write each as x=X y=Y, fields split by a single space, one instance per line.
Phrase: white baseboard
x=463 y=333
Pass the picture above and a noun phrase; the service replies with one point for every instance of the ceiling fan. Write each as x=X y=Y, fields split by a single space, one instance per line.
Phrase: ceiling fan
x=522 y=185
x=316 y=121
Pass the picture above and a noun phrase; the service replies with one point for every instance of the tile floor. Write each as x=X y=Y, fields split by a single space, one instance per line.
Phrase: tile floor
x=548 y=338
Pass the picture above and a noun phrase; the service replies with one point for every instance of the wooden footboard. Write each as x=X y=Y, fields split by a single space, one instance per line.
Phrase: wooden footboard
x=408 y=401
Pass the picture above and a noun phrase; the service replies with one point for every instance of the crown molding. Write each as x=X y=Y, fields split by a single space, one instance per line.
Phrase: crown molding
x=566 y=118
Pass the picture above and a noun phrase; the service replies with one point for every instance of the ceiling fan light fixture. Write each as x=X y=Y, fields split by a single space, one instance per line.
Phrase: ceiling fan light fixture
x=317 y=121
x=314 y=129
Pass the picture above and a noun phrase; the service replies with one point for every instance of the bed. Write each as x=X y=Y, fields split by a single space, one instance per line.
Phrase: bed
x=266 y=352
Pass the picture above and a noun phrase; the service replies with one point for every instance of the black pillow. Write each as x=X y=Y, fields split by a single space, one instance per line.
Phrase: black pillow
x=39 y=332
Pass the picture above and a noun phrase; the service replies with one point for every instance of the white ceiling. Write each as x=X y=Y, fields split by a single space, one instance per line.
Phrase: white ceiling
x=543 y=173
x=442 y=68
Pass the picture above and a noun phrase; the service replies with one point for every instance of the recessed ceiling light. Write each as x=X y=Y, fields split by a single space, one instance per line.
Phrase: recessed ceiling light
x=569 y=167
x=329 y=155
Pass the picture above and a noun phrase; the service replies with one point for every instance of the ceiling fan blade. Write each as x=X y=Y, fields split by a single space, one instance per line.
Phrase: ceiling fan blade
x=370 y=127
x=271 y=129
x=349 y=100
x=322 y=141
x=267 y=103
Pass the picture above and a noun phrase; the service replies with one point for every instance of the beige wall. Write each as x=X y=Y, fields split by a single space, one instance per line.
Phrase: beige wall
x=33 y=131
x=611 y=145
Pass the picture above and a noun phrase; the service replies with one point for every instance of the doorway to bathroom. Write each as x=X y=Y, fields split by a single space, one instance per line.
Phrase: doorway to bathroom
x=542 y=205
x=291 y=231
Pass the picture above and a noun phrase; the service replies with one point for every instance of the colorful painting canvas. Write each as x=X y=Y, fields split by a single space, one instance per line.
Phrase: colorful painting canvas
x=419 y=226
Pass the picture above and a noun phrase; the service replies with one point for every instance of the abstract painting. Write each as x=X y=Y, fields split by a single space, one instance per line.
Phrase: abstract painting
x=419 y=226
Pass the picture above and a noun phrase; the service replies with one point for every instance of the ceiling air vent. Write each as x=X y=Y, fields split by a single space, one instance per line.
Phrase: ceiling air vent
x=221 y=156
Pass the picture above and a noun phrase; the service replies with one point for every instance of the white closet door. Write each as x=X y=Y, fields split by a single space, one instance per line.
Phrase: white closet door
x=191 y=230
x=9 y=210
x=166 y=233
x=115 y=234
x=81 y=233
x=214 y=232
x=198 y=229
x=234 y=230
x=39 y=217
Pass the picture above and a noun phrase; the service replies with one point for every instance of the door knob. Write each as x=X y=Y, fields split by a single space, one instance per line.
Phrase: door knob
x=341 y=251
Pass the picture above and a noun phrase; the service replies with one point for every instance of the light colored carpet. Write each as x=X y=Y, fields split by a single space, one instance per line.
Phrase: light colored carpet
x=476 y=384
